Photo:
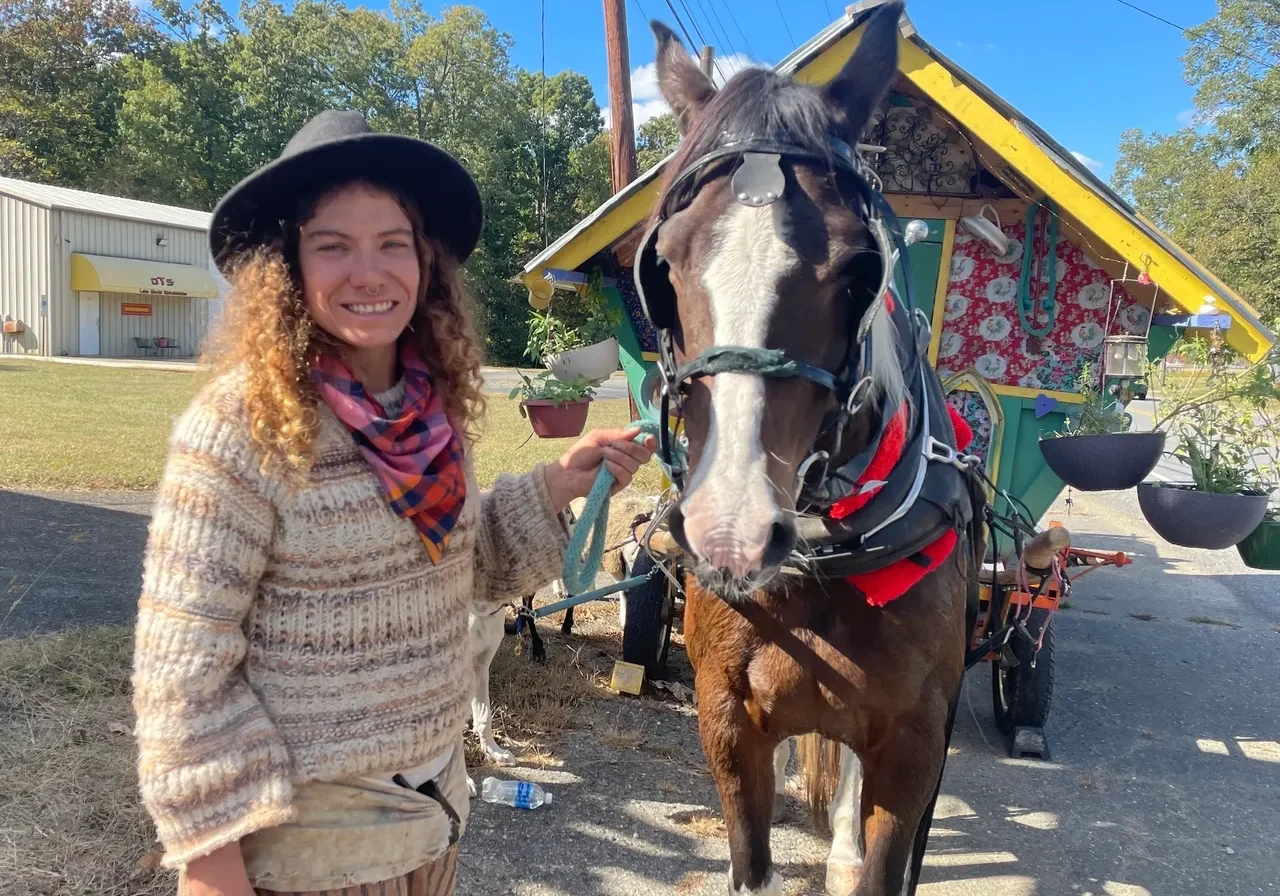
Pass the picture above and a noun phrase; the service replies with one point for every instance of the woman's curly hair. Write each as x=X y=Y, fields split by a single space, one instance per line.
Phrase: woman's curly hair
x=267 y=335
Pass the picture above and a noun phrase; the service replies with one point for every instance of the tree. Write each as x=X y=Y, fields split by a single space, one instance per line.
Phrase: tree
x=61 y=84
x=656 y=139
x=1215 y=187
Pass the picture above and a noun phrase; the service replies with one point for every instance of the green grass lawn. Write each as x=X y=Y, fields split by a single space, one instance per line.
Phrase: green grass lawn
x=69 y=426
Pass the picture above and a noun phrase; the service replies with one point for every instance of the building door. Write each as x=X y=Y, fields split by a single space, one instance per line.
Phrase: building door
x=90 y=323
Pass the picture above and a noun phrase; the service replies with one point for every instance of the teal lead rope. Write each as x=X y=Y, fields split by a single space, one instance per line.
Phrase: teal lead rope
x=585 y=552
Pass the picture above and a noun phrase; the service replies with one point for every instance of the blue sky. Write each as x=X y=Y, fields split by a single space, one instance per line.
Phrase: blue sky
x=1085 y=70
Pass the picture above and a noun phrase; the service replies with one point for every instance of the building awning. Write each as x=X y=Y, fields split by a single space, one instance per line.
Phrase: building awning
x=101 y=273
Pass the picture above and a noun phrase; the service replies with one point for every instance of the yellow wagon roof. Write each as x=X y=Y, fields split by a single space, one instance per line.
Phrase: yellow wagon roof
x=1028 y=153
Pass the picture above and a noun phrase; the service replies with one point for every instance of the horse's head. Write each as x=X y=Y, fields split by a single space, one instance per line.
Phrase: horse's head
x=764 y=240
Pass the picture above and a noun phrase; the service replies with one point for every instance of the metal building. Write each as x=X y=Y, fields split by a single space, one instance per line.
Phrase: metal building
x=93 y=275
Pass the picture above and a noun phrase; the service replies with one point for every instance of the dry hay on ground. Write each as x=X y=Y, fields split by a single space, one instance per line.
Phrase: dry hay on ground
x=73 y=823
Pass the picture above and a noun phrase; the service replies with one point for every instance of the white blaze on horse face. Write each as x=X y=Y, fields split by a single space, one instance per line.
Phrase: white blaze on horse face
x=730 y=505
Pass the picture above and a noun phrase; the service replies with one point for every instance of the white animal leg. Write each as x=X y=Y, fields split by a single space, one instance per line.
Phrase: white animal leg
x=781 y=759
x=486 y=637
x=844 y=861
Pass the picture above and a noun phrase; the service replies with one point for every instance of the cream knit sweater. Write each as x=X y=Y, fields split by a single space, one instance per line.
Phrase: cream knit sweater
x=299 y=632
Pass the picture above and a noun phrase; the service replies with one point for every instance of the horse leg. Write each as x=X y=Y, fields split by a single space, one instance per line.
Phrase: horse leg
x=740 y=757
x=844 y=861
x=781 y=758
x=902 y=774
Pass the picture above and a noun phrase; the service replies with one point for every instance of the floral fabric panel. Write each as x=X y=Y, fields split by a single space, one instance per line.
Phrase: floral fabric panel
x=646 y=335
x=981 y=327
x=973 y=410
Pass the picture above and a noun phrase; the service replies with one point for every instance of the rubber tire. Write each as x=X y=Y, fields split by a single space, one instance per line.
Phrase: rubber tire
x=1030 y=691
x=646 y=635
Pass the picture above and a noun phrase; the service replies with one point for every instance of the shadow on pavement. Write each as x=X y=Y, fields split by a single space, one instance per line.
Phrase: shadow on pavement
x=70 y=562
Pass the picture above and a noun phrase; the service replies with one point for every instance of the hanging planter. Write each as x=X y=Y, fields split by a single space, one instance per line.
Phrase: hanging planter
x=1260 y=549
x=577 y=341
x=1190 y=518
x=594 y=363
x=1103 y=462
x=555 y=409
x=1096 y=452
x=556 y=421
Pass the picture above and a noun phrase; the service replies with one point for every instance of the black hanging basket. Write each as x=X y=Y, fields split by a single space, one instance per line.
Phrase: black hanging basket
x=1185 y=516
x=1105 y=462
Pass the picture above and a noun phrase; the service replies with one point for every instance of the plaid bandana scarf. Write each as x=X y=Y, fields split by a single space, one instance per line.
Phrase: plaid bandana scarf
x=417 y=456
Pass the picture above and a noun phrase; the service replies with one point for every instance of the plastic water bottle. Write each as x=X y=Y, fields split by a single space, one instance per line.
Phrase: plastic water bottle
x=518 y=794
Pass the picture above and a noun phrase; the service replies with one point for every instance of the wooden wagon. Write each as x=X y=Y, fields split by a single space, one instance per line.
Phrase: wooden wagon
x=998 y=196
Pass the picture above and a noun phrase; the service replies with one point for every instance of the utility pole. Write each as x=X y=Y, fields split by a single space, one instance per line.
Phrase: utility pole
x=622 y=134
x=622 y=156
x=707 y=60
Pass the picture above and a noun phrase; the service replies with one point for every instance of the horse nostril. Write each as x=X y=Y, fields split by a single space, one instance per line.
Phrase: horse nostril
x=780 y=544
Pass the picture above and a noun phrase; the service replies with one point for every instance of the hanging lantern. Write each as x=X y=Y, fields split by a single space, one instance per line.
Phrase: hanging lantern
x=1124 y=357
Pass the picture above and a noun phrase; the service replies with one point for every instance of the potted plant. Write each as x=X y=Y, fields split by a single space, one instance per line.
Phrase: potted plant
x=1220 y=417
x=1097 y=451
x=577 y=341
x=1260 y=549
x=555 y=408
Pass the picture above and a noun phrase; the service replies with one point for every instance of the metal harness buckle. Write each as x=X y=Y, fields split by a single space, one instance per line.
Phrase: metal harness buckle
x=940 y=452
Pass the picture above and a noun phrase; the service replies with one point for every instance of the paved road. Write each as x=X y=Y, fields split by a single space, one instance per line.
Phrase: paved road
x=1164 y=779
x=501 y=380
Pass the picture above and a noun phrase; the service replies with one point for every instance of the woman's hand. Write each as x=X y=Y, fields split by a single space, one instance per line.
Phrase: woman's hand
x=576 y=470
x=220 y=873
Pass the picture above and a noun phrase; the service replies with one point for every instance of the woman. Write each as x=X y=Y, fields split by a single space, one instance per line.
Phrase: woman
x=300 y=676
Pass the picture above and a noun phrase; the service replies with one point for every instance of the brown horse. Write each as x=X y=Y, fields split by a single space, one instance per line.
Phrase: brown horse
x=765 y=271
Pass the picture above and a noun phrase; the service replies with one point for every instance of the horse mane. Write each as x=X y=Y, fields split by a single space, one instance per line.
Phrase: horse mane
x=760 y=104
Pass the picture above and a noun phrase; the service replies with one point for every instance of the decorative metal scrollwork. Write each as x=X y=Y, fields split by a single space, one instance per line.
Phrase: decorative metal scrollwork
x=921 y=155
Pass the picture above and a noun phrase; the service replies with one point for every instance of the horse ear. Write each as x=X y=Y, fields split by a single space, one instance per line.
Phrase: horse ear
x=685 y=88
x=865 y=79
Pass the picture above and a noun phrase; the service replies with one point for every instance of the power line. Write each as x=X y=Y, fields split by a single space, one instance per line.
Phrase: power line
x=696 y=27
x=680 y=23
x=830 y=17
x=1254 y=59
x=712 y=26
x=734 y=19
x=546 y=238
x=783 y=16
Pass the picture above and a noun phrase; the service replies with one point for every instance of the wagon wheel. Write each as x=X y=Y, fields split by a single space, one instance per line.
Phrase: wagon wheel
x=1020 y=695
x=645 y=613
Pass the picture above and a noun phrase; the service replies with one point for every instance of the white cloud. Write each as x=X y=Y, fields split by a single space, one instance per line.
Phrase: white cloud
x=1092 y=164
x=1187 y=118
x=646 y=98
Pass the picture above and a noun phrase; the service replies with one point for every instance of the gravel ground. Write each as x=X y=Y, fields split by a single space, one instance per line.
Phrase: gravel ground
x=1164 y=776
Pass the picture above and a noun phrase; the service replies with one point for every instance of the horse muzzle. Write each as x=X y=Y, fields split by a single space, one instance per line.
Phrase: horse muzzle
x=738 y=550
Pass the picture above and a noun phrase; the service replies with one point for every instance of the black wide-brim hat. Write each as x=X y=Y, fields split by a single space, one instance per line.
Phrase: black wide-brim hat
x=335 y=147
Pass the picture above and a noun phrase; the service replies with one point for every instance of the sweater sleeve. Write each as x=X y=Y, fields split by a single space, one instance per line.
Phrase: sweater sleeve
x=212 y=767
x=522 y=539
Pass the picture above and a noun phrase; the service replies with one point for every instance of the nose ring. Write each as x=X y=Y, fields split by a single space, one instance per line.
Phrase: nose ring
x=372 y=291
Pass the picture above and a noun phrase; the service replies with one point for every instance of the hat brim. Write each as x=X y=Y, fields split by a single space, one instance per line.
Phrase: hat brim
x=444 y=191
